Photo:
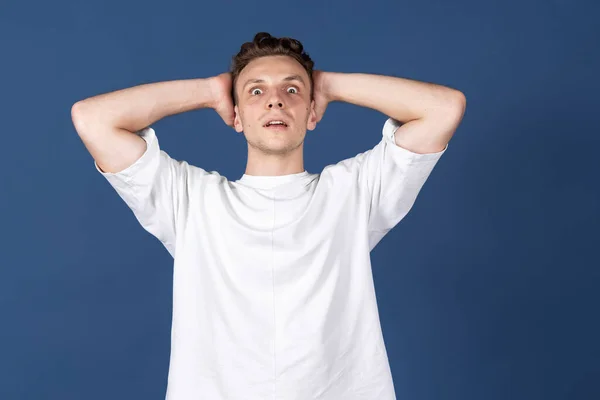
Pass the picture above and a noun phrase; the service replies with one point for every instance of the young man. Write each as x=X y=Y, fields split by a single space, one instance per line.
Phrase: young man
x=273 y=293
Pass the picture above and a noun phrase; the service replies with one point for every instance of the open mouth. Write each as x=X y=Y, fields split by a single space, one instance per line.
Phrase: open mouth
x=275 y=124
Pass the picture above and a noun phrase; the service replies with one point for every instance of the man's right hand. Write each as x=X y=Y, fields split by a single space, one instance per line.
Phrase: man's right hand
x=221 y=91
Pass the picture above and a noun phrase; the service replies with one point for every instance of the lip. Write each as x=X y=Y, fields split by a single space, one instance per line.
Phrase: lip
x=276 y=128
x=285 y=121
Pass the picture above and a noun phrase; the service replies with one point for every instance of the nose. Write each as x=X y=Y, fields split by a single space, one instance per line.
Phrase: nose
x=276 y=104
x=275 y=101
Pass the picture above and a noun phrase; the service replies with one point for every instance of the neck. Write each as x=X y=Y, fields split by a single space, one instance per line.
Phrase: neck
x=271 y=163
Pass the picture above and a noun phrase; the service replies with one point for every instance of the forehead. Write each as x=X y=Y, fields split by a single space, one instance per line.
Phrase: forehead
x=272 y=68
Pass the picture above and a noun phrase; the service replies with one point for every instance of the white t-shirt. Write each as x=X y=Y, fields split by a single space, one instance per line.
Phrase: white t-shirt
x=273 y=294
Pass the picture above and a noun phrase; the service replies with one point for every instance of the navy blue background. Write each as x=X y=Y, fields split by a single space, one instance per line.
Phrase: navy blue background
x=488 y=289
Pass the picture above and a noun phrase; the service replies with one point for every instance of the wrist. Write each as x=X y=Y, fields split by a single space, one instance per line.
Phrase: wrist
x=329 y=86
x=211 y=87
x=320 y=86
x=219 y=89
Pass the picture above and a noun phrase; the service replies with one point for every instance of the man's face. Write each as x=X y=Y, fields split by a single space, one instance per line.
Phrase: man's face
x=274 y=88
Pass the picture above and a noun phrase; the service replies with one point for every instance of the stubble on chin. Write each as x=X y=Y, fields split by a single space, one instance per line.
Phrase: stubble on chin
x=274 y=145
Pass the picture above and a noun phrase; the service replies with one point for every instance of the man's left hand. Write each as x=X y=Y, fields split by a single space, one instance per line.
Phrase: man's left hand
x=321 y=94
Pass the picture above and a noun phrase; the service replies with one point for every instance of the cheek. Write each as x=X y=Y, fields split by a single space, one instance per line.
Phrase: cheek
x=246 y=119
x=248 y=113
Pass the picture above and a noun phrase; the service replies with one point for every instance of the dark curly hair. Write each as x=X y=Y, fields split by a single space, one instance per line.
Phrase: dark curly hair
x=266 y=45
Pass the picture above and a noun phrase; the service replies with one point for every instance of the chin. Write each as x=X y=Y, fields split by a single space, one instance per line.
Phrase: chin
x=275 y=145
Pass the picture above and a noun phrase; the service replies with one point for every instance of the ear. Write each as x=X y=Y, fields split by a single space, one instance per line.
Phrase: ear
x=237 y=122
x=311 y=124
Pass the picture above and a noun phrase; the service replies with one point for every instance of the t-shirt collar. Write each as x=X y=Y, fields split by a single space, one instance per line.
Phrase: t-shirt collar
x=270 y=182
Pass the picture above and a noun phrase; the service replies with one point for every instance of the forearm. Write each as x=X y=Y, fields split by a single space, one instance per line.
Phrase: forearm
x=140 y=106
x=402 y=99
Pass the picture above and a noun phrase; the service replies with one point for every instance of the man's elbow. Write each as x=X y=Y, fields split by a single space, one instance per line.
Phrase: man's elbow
x=458 y=103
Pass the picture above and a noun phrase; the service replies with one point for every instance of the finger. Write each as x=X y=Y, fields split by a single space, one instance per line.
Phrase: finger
x=320 y=111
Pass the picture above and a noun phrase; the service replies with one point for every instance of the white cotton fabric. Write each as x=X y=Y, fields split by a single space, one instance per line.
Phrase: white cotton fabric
x=273 y=294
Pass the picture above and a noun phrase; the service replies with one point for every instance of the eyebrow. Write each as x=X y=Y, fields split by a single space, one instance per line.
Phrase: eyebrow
x=286 y=79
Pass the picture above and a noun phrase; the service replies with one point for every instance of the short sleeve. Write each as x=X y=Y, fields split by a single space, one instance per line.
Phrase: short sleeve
x=391 y=177
x=151 y=189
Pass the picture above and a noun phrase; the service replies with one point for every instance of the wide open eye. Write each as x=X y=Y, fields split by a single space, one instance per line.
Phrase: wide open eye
x=294 y=90
x=254 y=91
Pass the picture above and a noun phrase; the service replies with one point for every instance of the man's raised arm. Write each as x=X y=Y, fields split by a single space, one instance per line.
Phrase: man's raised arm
x=107 y=123
x=429 y=113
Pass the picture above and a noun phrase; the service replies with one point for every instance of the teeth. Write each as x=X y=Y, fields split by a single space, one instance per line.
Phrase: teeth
x=275 y=123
